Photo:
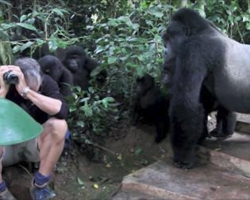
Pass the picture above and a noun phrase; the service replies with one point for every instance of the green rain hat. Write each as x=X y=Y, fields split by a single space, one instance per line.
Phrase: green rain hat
x=16 y=125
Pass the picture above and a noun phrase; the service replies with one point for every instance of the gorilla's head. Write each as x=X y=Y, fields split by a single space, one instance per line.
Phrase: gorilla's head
x=144 y=83
x=52 y=66
x=75 y=58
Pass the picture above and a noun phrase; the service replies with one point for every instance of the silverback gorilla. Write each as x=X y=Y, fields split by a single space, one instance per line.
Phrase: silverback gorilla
x=204 y=58
x=53 y=67
x=151 y=104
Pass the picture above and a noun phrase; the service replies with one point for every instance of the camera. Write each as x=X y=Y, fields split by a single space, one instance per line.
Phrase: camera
x=10 y=78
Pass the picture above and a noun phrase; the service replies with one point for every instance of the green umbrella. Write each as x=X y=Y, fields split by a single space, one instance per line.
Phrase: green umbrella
x=16 y=125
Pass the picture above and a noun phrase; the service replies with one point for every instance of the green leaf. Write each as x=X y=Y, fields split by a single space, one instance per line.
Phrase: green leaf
x=80 y=123
x=59 y=11
x=96 y=71
x=112 y=60
x=72 y=109
x=6 y=26
x=23 y=18
x=6 y=3
x=53 y=44
x=16 y=49
x=84 y=99
x=77 y=88
x=105 y=103
x=35 y=13
x=138 y=151
x=26 y=45
x=124 y=19
x=27 y=26
x=80 y=182
x=110 y=99
x=140 y=71
x=87 y=110
x=30 y=21
x=39 y=42
x=62 y=44
x=155 y=13
x=99 y=49
x=248 y=26
x=87 y=141
x=112 y=22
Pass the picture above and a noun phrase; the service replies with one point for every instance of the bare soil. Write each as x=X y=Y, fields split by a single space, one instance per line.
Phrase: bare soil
x=77 y=178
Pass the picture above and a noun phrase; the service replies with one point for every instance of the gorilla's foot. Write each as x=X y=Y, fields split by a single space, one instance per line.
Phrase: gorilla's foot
x=184 y=165
x=220 y=135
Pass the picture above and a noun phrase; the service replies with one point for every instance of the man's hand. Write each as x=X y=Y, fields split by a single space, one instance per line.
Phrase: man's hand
x=17 y=71
x=4 y=88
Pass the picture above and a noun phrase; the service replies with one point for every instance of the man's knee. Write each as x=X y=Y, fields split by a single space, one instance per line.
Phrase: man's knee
x=56 y=128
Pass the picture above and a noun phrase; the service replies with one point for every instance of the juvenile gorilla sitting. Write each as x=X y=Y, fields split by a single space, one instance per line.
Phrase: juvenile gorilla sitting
x=152 y=105
x=81 y=65
x=205 y=59
x=53 y=67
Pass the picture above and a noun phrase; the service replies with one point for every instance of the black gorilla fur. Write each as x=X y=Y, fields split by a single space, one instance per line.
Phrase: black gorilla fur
x=52 y=66
x=153 y=105
x=81 y=66
x=204 y=59
x=226 y=120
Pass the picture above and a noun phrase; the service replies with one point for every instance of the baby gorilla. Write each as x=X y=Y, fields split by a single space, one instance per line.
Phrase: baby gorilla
x=52 y=66
x=152 y=105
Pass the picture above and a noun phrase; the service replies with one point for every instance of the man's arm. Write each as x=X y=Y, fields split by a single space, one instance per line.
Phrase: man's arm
x=49 y=105
x=45 y=102
x=50 y=89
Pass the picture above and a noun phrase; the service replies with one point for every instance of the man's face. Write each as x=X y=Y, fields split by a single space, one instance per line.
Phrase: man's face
x=36 y=88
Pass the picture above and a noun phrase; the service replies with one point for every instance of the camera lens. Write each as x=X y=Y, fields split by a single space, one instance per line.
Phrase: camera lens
x=10 y=78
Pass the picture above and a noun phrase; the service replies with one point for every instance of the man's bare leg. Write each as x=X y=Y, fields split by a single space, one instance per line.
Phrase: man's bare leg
x=51 y=143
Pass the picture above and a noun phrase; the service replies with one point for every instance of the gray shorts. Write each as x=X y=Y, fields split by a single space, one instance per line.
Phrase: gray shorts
x=27 y=151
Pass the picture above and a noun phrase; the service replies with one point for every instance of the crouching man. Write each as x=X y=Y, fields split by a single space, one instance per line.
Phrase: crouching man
x=39 y=95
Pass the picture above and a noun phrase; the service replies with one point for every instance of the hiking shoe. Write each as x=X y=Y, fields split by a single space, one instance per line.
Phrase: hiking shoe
x=6 y=195
x=40 y=192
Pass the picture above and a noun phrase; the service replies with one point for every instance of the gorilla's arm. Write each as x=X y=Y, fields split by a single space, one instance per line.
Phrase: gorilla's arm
x=66 y=82
x=187 y=114
x=90 y=64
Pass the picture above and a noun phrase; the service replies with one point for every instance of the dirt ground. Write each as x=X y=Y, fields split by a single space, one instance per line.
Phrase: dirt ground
x=77 y=178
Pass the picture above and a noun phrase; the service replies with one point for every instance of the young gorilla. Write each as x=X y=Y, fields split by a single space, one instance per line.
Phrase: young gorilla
x=204 y=58
x=53 y=67
x=80 y=65
x=41 y=97
x=153 y=105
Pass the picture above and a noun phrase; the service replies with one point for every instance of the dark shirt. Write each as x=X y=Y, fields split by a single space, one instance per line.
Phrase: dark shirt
x=48 y=88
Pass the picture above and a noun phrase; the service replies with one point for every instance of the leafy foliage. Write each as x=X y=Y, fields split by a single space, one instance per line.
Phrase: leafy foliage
x=130 y=45
x=91 y=117
x=232 y=17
